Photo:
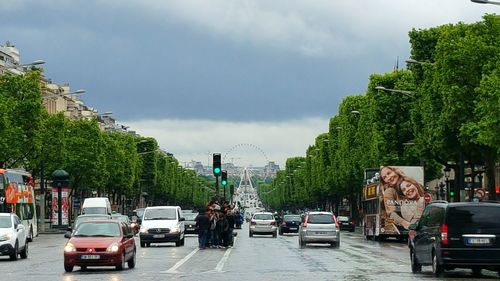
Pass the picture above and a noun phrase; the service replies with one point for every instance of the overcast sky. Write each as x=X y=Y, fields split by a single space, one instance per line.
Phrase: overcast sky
x=256 y=80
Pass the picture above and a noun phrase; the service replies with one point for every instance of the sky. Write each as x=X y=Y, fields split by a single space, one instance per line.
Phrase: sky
x=256 y=81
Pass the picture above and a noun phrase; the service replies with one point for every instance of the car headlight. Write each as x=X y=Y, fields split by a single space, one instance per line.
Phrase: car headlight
x=6 y=237
x=175 y=229
x=143 y=230
x=113 y=248
x=69 y=248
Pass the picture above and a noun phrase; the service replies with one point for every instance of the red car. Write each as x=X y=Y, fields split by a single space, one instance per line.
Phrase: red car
x=100 y=243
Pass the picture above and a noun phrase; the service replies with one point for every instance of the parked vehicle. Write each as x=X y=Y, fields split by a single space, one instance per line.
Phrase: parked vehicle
x=100 y=243
x=263 y=223
x=319 y=227
x=456 y=235
x=290 y=224
x=162 y=224
x=96 y=205
x=346 y=223
x=13 y=237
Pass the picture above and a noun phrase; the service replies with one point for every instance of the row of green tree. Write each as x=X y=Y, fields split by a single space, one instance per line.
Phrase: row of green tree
x=119 y=165
x=445 y=112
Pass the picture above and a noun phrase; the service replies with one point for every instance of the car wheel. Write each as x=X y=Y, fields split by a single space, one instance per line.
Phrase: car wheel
x=351 y=230
x=13 y=256
x=131 y=261
x=281 y=231
x=250 y=234
x=122 y=263
x=68 y=268
x=83 y=267
x=182 y=241
x=148 y=244
x=24 y=252
x=416 y=267
x=437 y=269
x=143 y=244
x=178 y=243
x=275 y=234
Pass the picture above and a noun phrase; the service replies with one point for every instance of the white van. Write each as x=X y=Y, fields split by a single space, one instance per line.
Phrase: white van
x=96 y=205
x=162 y=224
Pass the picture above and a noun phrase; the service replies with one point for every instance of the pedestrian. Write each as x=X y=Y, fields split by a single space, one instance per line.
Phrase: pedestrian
x=203 y=227
x=230 y=217
x=222 y=228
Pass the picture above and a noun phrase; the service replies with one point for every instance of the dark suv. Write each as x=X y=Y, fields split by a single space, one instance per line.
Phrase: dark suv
x=456 y=235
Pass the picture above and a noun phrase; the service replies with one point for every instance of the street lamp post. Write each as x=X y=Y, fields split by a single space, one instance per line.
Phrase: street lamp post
x=404 y=92
x=16 y=66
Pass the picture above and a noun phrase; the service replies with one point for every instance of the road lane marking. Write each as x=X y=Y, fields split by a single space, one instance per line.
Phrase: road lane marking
x=223 y=260
x=181 y=262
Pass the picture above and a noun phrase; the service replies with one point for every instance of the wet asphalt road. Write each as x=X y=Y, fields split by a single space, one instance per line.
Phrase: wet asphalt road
x=256 y=258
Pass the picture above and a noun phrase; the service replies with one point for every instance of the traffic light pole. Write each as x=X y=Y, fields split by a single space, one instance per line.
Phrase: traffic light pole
x=217 y=187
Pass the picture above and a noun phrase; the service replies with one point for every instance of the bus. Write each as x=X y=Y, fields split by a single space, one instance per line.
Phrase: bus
x=393 y=198
x=17 y=195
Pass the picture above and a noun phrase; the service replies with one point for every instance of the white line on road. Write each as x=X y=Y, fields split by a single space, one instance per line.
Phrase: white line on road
x=181 y=262
x=222 y=261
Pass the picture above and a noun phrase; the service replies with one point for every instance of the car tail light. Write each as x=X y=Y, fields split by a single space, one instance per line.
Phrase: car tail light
x=444 y=235
x=273 y=223
x=253 y=222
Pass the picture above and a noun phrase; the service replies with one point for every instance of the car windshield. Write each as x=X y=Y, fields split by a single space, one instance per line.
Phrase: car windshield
x=291 y=218
x=98 y=229
x=320 y=218
x=95 y=210
x=5 y=222
x=160 y=214
x=190 y=216
x=263 y=217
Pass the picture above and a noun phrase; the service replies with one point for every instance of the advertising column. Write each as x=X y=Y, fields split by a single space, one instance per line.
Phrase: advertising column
x=60 y=198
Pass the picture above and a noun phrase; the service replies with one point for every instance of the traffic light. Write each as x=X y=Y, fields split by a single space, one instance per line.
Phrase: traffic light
x=224 y=178
x=452 y=193
x=216 y=164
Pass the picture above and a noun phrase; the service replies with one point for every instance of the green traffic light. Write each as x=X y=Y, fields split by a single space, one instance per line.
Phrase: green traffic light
x=224 y=182
x=452 y=193
x=217 y=170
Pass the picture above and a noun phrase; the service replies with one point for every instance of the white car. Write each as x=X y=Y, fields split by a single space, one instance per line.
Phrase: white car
x=319 y=227
x=263 y=223
x=13 y=239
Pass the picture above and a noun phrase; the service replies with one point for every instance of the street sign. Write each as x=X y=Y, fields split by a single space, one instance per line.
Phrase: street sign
x=427 y=197
x=480 y=193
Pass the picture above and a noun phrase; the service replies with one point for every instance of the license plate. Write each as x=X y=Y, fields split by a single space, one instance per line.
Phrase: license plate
x=159 y=236
x=293 y=228
x=321 y=232
x=478 y=241
x=90 y=257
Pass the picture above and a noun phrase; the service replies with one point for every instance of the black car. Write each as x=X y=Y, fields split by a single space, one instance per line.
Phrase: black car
x=290 y=224
x=190 y=223
x=346 y=223
x=456 y=235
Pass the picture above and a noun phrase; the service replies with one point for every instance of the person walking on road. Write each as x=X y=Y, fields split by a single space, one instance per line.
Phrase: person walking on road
x=203 y=226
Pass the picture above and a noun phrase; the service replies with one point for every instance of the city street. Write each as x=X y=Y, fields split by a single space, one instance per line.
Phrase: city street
x=256 y=258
